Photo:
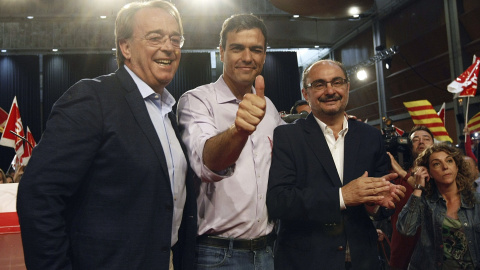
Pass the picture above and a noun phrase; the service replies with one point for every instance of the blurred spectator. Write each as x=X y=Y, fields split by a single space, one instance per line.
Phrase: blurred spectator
x=300 y=106
x=3 y=178
x=9 y=179
x=468 y=144
x=474 y=170
x=19 y=173
x=402 y=246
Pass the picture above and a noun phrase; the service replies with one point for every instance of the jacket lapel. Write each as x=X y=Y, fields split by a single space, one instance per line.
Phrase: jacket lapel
x=352 y=142
x=139 y=111
x=316 y=140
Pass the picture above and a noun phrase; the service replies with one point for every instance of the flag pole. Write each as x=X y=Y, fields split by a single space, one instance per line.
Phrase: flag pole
x=466 y=118
x=21 y=137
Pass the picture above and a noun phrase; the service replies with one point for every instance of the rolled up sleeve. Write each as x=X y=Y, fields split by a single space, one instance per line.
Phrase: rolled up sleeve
x=198 y=124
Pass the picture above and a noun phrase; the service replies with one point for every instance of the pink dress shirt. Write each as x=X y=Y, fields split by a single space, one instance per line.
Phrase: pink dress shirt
x=230 y=204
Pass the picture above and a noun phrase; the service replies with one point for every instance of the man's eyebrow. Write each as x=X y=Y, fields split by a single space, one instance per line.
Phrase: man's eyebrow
x=162 y=32
x=257 y=47
x=237 y=45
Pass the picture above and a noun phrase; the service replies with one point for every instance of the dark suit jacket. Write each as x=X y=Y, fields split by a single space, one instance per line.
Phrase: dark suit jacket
x=96 y=193
x=303 y=192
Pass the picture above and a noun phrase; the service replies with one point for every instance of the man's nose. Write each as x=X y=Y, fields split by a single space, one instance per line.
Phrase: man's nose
x=247 y=55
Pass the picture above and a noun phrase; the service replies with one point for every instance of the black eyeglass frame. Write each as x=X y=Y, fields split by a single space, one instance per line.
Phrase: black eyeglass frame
x=335 y=83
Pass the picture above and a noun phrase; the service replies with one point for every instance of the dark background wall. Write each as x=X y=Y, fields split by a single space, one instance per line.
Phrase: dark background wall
x=421 y=70
x=39 y=80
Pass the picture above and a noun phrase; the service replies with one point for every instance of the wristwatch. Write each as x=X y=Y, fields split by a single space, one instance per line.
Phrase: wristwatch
x=418 y=186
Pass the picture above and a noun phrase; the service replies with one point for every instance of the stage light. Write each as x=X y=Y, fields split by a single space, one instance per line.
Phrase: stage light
x=354 y=11
x=103 y=17
x=296 y=16
x=54 y=50
x=3 y=51
x=388 y=63
x=29 y=17
x=361 y=74
x=381 y=55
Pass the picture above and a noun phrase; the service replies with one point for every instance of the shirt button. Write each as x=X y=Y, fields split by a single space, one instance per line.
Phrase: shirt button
x=156 y=96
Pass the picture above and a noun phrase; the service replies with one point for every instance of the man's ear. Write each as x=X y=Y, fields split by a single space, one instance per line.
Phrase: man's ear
x=305 y=95
x=125 y=48
x=222 y=51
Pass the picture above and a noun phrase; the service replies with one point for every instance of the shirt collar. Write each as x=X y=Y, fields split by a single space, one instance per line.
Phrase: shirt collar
x=223 y=92
x=146 y=91
x=324 y=126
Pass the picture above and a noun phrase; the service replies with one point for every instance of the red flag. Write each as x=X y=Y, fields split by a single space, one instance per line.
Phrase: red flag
x=399 y=131
x=28 y=147
x=3 y=119
x=14 y=123
x=441 y=113
x=466 y=83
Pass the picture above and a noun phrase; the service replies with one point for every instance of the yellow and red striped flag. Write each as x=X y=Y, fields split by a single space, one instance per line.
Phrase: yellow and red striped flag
x=423 y=113
x=474 y=123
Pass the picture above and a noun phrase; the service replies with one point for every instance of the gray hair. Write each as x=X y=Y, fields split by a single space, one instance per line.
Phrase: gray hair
x=124 y=22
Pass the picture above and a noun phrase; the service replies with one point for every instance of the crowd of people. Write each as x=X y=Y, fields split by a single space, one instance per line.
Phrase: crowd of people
x=225 y=183
x=12 y=176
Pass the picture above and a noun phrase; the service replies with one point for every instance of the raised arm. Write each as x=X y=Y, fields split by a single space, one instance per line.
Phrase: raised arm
x=223 y=150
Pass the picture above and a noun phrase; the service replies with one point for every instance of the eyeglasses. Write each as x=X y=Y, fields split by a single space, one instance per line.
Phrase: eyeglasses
x=320 y=85
x=157 y=40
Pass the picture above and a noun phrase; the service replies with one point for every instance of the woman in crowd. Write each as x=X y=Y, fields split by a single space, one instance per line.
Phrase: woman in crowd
x=447 y=209
x=3 y=178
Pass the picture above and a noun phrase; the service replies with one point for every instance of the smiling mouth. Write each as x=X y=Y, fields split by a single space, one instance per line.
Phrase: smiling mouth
x=329 y=99
x=249 y=68
x=164 y=62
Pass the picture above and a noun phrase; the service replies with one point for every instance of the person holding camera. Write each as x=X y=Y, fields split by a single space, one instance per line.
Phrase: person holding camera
x=446 y=208
x=401 y=249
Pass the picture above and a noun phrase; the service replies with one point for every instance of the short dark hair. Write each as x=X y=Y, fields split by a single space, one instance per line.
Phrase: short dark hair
x=299 y=102
x=309 y=68
x=241 y=22
x=417 y=128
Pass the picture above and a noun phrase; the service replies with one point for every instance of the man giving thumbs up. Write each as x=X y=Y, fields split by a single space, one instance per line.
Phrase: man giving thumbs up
x=227 y=127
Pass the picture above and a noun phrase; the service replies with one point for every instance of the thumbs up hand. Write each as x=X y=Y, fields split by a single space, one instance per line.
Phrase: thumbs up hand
x=260 y=86
x=252 y=108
